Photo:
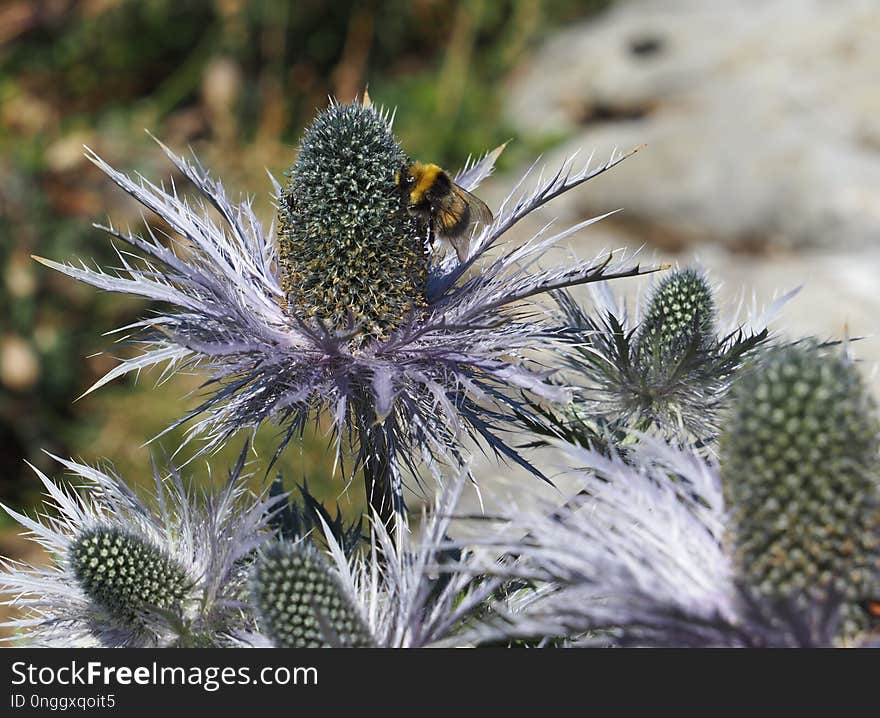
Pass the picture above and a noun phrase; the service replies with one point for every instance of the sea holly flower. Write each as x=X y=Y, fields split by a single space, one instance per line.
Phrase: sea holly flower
x=168 y=569
x=349 y=256
x=413 y=591
x=667 y=370
x=801 y=474
x=349 y=311
x=681 y=312
x=301 y=601
x=125 y=574
x=642 y=558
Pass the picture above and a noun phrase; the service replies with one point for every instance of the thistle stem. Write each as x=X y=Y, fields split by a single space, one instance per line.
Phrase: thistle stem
x=378 y=479
x=383 y=499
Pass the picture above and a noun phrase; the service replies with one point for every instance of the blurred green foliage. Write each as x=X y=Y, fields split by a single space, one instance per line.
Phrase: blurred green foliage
x=237 y=80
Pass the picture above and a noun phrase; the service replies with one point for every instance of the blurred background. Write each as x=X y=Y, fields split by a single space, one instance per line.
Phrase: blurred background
x=762 y=160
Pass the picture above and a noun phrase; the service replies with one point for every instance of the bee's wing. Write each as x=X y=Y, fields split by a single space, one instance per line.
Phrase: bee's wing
x=480 y=212
x=462 y=246
x=450 y=226
x=451 y=217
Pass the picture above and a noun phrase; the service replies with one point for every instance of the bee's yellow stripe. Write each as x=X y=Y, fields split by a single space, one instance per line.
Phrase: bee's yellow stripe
x=425 y=175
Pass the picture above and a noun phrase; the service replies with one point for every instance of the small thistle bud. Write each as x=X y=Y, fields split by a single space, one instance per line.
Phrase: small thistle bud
x=800 y=474
x=349 y=251
x=124 y=574
x=301 y=601
x=681 y=311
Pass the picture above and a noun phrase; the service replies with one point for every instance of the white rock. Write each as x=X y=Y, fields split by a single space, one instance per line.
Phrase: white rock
x=762 y=118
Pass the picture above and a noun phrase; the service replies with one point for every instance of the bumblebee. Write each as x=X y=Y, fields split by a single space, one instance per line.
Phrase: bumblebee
x=448 y=210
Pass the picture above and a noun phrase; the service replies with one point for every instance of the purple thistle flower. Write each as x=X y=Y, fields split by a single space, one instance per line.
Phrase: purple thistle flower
x=429 y=352
x=169 y=569
x=666 y=369
x=640 y=557
x=417 y=590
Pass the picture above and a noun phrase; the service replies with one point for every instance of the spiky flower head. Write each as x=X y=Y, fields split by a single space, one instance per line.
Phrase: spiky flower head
x=350 y=252
x=127 y=569
x=302 y=603
x=431 y=361
x=666 y=370
x=419 y=589
x=125 y=574
x=681 y=312
x=638 y=558
x=802 y=476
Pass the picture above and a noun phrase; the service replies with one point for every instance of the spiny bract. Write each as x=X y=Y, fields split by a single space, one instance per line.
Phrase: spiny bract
x=350 y=252
x=125 y=574
x=800 y=472
x=302 y=604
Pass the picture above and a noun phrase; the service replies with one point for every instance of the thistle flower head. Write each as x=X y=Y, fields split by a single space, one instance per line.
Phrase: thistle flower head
x=422 y=592
x=680 y=313
x=129 y=570
x=638 y=558
x=301 y=601
x=350 y=252
x=667 y=371
x=125 y=574
x=346 y=316
x=802 y=476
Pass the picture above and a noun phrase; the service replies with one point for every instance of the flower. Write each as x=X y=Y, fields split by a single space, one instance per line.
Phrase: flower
x=348 y=253
x=411 y=593
x=667 y=370
x=350 y=313
x=647 y=554
x=301 y=601
x=126 y=575
x=680 y=318
x=801 y=473
x=131 y=571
